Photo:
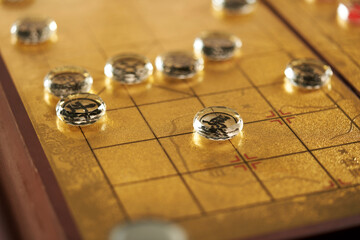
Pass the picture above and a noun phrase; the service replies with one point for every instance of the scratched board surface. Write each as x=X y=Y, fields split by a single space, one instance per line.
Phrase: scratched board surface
x=295 y=164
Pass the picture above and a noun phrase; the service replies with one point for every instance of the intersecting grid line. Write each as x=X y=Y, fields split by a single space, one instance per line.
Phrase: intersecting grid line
x=322 y=33
x=244 y=162
x=352 y=122
x=121 y=205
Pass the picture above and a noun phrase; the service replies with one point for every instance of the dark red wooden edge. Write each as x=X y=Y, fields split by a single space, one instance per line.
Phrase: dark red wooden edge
x=52 y=195
x=7 y=223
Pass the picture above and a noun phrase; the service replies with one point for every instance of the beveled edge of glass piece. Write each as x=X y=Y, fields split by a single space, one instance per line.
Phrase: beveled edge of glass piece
x=290 y=76
x=198 y=44
x=223 y=109
x=51 y=23
x=218 y=5
x=67 y=68
x=80 y=95
x=120 y=231
x=159 y=63
x=108 y=69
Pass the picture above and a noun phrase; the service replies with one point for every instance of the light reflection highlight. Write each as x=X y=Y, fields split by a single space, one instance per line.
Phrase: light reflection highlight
x=203 y=142
x=50 y=99
x=343 y=12
x=98 y=126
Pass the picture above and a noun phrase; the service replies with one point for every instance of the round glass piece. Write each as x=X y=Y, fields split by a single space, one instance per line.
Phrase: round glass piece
x=180 y=65
x=66 y=80
x=149 y=230
x=349 y=10
x=33 y=30
x=234 y=7
x=217 y=46
x=80 y=109
x=128 y=68
x=218 y=123
x=308 y=73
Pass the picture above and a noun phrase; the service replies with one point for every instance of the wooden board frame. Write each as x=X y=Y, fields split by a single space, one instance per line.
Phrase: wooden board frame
x=36 y=199
x=33 y=192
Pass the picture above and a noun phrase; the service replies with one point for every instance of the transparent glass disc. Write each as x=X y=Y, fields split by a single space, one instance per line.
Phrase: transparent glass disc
x=218 y=123
x=308 y=73
x=128 y=68
x=33 y=30
x=80 y=109
x=217 y=46
x=179 y=65
x=66 y=80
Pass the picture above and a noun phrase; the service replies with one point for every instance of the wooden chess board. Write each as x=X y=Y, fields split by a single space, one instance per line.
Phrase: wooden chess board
x=294 y=170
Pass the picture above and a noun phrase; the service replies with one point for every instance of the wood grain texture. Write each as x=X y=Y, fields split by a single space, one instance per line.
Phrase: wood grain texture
x=23 y=185
x=24 y=177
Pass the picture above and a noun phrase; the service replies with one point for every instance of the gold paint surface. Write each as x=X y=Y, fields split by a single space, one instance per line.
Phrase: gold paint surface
x=174 y=117
x=292 y=175
x=224 y=188
x=248 y=102
x=132 y=162
x=295 y=164
x=268 y=139
x=160 y=196
x=318 y=22
x=191 y=152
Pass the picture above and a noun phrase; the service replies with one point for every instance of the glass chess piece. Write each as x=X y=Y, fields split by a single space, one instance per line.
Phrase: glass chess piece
x=66 y=80
x=80 y=109
x=179 y=65
x=308 y=73
x=217 y=46
x=234 y=7
x=149 y=230
x=217 y=123
x=128 y=68
x=33 y=30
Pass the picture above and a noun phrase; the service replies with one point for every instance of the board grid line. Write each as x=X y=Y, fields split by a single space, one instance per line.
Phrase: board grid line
x=281 y=117
x=244 y=162
x=313 y=50
x=279 y=200
x=268 y=193
x=323 y=33
x=310 y=46
x=336 y=73
x=234 y=164
x=197 y=202
x=245 y=123
x=114 y=187
x=269 y=103
x=107 y=179
x=342 y=110
x=275 y=83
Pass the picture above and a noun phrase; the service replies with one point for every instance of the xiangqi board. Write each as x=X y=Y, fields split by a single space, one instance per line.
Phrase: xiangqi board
x=294 y=165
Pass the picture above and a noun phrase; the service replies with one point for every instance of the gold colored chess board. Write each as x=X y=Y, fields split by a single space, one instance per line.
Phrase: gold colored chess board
x=295 y=165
